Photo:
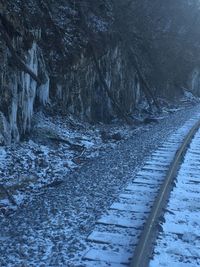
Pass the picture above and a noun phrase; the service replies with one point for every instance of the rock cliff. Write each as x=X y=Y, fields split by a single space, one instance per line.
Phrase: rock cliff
x=93 y=59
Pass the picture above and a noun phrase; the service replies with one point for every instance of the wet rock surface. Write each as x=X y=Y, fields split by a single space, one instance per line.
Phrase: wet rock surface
x=49 y=228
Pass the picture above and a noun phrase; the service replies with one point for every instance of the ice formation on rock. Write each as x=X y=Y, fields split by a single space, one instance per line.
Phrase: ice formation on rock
x=24 y=90
x=29 y=88
x=5 y=136
x=59 y=91
x=14 y=111
x=195 y=81
x=43 y=92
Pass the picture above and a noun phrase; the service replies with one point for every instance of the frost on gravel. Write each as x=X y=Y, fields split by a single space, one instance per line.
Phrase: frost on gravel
x=56 y=147
x=3 y=155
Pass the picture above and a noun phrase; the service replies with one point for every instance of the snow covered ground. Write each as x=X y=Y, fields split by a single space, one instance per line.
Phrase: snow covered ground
x=57 y=146
x=50 y=226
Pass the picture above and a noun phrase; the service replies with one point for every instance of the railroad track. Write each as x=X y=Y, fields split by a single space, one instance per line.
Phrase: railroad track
x=131 y=223
x=179 y=242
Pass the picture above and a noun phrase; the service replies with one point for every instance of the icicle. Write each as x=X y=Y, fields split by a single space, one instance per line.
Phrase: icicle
x=14 y=110
x=195 y=81
x=43 y=92
x=5 y=133
x=13 y=121
x=43 y=89
x=137 y=91
x=59 y=91
x=36 y=33
x=29 y=88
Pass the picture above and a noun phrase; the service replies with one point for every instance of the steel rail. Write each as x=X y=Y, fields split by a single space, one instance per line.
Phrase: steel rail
x=144 y=248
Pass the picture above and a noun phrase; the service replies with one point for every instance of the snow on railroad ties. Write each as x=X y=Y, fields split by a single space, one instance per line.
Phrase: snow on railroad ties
x=179 y=242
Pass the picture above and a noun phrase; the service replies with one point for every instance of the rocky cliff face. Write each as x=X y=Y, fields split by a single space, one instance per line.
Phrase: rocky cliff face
x=73 y=58
x=81 y=93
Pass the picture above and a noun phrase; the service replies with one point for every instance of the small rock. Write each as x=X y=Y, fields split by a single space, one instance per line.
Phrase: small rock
x=150 y=120
x=117 y=136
